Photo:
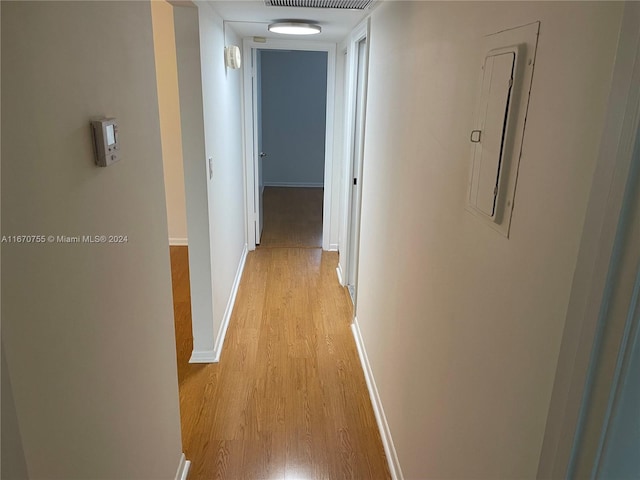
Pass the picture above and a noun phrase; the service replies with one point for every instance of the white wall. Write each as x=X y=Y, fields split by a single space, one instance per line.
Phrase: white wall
x=461 y=325
x=221 y=93
x=87 y=328
x=210 y=113
x=187 y=33
x=293 y=116
x=164 y=41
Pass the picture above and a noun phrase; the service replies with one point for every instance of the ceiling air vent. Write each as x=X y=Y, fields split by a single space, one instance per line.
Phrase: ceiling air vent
x=342 y=4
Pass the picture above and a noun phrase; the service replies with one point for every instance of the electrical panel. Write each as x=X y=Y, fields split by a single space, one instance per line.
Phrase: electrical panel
x=507 y=64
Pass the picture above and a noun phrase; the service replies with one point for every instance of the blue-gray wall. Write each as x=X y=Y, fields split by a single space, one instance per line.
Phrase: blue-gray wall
x=294 y=98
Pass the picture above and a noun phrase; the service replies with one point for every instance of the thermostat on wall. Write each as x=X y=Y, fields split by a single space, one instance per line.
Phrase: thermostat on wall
x=105 y=141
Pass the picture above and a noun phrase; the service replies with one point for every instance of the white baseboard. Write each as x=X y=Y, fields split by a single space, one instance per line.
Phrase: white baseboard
x=333 y=247
x=213 y=356
x=183 y=468
x=203 y=356
x=294 y=184
x=381 y=419
x=230 y=303
x=340 y=277
x=178 y=242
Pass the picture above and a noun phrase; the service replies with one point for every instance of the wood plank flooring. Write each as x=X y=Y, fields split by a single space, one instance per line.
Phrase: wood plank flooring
x=292 y=217
x=288 y=399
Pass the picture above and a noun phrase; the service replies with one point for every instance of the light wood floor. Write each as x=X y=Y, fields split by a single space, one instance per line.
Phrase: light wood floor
x=288 y=399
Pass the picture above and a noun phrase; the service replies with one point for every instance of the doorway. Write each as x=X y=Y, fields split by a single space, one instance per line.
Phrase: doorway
x=357 y=65
x=279 y=152
x=291 y=123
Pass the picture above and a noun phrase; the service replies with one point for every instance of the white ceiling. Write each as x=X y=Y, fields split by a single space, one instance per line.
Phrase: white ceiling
x=249 y=18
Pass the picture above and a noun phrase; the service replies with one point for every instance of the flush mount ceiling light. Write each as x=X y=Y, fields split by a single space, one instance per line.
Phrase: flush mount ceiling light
x=295 y=28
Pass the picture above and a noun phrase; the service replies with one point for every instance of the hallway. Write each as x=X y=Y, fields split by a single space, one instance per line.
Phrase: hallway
x=288 y=399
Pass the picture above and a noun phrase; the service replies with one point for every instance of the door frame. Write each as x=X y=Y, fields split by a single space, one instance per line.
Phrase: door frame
x=591 y=282
x=360 y=33
x=249 y=47
x=616 y=336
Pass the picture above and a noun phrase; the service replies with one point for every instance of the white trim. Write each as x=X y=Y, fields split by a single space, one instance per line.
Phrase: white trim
x=178 y=242
x=183 y=468
x=249 y=46
x=594 y=256
x=249 y=145
x=333 y=247
x=257 y=168
x=328 y=146
x=381 y=419
x=203 y=356
x=217 y=349
x=361 y=32
x=339 y=273
x=293 y=184
x=213 y=356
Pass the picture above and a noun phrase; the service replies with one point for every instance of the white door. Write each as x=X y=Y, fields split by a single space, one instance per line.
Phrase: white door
x=357 y=159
